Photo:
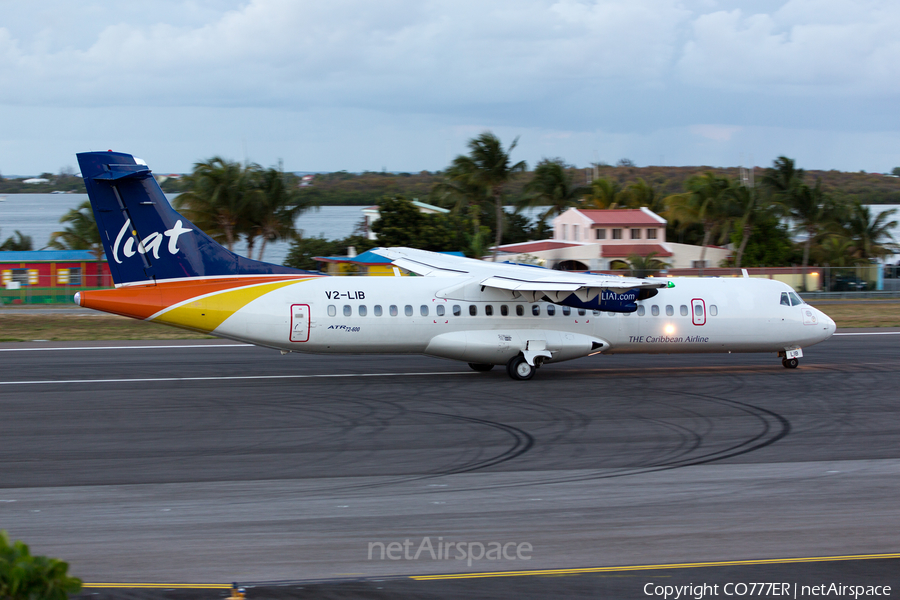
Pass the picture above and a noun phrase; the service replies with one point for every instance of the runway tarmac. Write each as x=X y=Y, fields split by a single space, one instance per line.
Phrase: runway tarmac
x=199 y=462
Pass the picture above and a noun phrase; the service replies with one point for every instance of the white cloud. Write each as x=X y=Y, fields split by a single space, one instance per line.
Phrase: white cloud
x=832 y=47
x=353 y=52
x=717 y=133
x=355 y=84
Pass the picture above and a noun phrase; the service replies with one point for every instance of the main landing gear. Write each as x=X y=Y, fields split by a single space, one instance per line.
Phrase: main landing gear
x=790 y=363
x=519 y=369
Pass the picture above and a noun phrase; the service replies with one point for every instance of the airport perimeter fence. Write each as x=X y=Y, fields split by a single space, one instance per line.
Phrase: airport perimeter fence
x=24 y=286
x=30 y=288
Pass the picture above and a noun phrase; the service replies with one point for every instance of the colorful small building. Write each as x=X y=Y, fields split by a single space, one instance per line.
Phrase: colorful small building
x=367 y=263
x=49 y=276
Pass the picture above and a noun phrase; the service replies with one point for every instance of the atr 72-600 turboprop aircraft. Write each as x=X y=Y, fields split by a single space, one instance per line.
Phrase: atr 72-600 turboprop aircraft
x=486 y=314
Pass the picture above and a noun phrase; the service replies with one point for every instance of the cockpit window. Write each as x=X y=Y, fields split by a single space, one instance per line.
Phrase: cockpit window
x=795 y=299
x=785 y=300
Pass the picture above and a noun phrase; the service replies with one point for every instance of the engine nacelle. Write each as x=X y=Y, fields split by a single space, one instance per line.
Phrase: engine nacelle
x=498 y=346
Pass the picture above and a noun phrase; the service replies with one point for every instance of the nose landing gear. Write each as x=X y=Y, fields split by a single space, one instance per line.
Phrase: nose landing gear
x=790 y=357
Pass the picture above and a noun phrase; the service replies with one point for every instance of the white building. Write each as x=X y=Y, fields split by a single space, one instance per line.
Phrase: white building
x=602 y=240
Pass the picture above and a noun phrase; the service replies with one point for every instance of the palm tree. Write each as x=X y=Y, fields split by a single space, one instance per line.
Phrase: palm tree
x=645 y=266
x=20 y=243
x=746 y=208
x=705 y=202
x=782 y=176
x=217 y=198
x=81 y=234
x=488 y=165
x=808 y=209
x=467 y=194
x=640 y=193
x=552 y=186
x=274 y=208
x=870 y=237
x=604 y=194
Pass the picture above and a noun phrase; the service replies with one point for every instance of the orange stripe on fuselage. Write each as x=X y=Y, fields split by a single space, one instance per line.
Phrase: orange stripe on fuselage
x=143 y=301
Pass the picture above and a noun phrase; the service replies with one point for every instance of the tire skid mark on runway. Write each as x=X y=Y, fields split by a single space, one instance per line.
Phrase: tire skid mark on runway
x=523 y=442
x=774 y=427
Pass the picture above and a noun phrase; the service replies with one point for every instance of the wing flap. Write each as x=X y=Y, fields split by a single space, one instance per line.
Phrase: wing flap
x=533 y=282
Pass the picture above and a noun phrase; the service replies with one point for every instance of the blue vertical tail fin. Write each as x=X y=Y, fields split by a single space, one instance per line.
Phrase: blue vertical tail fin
x=145 y=239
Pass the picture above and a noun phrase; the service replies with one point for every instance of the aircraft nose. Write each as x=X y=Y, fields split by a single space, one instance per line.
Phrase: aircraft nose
x=829 y=325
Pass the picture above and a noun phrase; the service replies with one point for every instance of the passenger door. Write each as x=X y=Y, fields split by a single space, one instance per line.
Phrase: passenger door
x=698 y=311
x=300 y=322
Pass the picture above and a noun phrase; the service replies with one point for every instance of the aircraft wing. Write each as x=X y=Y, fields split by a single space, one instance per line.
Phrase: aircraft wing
x=530 y=282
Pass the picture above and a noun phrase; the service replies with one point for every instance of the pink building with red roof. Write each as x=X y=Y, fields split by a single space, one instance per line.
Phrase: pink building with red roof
x=598 y=239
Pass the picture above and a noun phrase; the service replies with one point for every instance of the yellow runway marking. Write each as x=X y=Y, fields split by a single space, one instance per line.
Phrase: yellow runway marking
x=729 y=563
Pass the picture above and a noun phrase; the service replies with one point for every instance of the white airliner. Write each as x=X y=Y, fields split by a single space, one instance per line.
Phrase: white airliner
x=482 y=313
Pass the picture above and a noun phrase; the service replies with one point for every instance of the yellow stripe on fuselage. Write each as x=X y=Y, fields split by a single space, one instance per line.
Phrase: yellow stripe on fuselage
x=208 y=312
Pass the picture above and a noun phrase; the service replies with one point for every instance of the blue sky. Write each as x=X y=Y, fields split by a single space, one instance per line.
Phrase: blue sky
x=402 y=85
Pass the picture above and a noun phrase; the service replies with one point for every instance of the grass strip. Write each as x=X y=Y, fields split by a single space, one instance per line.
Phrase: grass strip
x=75 y=327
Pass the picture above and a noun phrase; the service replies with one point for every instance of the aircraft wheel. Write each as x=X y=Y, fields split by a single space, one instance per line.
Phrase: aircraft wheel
x=481 y=367
x=518 y=368
x=790 y=363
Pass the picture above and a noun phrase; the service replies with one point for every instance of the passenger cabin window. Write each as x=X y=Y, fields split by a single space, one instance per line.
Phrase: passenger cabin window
x=536 y=310
x=654 y=310
x=551 y=310
x=670 y=310
x=641 y=310
x=504 y=310
x=377 y=310
x=457 y=310
x=698 y=309
x=713 y=310
x=362 y=310
x=347 y=310
x=394 y=311
x=407 y=310
x=473 y=310
x=423 y=310
x=684 y=310
x=596 y=313
x=489 y=310
x=520 y=310
x=440 y=310
x=581 y=312
x=332 y=310
x=566 y=311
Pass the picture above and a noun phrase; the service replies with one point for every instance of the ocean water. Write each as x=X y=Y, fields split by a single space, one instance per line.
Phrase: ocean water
x=37 y=215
